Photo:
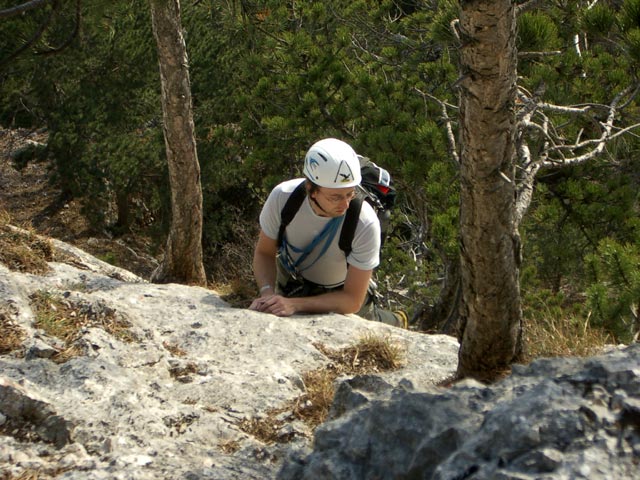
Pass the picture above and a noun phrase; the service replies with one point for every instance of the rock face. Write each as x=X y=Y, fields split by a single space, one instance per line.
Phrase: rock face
x=556 y=419
x=164 y=393
x=163 y=380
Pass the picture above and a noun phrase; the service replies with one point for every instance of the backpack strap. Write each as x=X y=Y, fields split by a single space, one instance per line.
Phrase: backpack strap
x=290 y=209
x=349 y=225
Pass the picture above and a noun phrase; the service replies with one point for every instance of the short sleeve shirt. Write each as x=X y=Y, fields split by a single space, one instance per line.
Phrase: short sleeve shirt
x=330 y=270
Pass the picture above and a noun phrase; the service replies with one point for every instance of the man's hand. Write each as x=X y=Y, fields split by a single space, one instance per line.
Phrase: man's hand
x=348 y=299
x=274 y=304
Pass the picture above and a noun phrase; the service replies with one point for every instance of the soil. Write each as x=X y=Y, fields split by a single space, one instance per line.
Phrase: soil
x=32 y=201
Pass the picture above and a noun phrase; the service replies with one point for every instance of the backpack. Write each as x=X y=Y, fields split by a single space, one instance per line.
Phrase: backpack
x=376 y=188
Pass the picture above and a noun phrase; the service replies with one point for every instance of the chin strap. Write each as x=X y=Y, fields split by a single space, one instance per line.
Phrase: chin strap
x=318 y=205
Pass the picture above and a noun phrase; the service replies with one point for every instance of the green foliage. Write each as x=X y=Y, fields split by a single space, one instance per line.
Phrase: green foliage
x=536 y=32
x=598 y=20
x=269 y=78
x=632 y=39
x=99 y=99
x=614 y=295
x=573 y=240
x=550 y=305
x=446 y=13
x=630 y=14
x=29 y=153
x=612 y=30
x=111 y=258
x=18 y=107
x=573 y=209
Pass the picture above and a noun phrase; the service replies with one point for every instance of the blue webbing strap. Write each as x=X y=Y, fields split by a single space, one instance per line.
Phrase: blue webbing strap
x=328 y=233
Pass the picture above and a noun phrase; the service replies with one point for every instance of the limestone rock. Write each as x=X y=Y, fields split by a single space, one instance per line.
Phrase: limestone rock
x=160 y=379
x=555 y=419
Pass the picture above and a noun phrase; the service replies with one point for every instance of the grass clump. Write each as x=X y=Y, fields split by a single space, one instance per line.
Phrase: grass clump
x=269 y=428
x=22 y=250
x=40 y=473
x=11 y=335
x=65 y=320
x=562 y=337
x=371 y=354
x=174 y=349
x=230 y=447
x=109 y=257
x=556 y=325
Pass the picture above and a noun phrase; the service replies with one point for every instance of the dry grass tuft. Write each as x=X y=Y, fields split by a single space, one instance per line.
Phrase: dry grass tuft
x=174 y=349
x=556 y=324
x=562 y=337
x=268 y=429
x=11 y=335
x=371 y=354
x=230 y=447
x=183 y=372
x=64 y=319
x=239 y=292
x=28 y=474
x=22 y=250
x=313 y=406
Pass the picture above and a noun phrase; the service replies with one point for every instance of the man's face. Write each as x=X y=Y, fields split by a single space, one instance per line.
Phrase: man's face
x=334 y=201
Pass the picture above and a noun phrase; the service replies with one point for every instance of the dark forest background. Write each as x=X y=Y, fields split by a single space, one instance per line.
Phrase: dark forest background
x=269 y=78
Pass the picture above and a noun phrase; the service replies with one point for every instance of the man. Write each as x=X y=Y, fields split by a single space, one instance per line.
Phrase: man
x=309 y=272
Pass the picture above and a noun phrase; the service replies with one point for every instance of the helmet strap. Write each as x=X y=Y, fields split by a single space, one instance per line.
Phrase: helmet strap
x=326 y=214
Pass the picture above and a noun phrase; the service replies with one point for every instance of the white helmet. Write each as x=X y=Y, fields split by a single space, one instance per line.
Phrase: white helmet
x=332 y=163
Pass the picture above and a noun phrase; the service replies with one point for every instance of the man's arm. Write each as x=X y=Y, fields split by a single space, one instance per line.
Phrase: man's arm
x=264 y=264
x=346 y=300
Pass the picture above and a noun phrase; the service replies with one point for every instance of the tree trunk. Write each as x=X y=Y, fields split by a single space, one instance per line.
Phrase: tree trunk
x=182 y=262
x=491 y=317
x=444 y=315
x=123 y=222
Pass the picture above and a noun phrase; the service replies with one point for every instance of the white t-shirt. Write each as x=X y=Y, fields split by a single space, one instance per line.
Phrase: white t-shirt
x=331 y=269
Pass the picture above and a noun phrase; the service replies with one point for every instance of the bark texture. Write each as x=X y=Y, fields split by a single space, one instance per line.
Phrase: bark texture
x=182 y=262
x=490 y=247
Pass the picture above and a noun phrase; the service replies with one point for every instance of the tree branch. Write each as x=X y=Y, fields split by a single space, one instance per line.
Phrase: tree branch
x=448 y=123
x=70 y=38
x=600 y=142
x=34 y=38
x=556 y=151
x=24 y=7
x=553 y=53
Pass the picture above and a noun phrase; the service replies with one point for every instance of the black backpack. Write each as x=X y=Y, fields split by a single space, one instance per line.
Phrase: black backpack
x=376 y=188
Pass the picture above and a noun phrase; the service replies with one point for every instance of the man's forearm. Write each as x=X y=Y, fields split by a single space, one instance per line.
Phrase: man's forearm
x=337 y=301
x=264 y=271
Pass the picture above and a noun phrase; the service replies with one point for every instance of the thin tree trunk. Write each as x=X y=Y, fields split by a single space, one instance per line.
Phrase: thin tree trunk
x=123 y=222
x=490 y=247
x=444 y=315
x=182 y=262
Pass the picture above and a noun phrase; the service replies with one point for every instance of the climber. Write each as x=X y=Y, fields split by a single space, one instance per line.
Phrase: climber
x=299 y=266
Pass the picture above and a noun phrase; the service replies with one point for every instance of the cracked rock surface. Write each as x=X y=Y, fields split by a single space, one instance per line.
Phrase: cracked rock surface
x=161 y=377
